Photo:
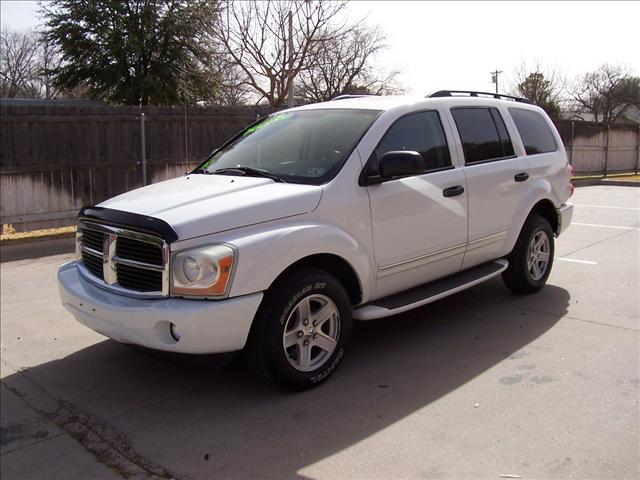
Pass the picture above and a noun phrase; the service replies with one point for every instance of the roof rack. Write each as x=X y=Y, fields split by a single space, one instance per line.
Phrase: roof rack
x=342 y=97
x=499 y=96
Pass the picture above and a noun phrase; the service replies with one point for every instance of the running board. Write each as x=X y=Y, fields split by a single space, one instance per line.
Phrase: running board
x=429 y=292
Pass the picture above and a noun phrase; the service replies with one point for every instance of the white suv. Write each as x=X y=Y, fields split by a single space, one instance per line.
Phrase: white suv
x=357 y=208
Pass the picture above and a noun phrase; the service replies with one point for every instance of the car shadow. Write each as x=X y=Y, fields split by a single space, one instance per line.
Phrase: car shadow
x=222 y=422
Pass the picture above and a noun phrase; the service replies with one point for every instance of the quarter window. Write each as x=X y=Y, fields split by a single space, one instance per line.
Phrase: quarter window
x=419 y=132
x=483 y=134
x=534 y=131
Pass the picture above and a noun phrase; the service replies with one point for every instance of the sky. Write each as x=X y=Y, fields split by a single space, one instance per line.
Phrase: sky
x=455 y=45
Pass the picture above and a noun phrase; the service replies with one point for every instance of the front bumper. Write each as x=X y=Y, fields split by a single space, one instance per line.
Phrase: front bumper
x=204 y=326
x=565 y=214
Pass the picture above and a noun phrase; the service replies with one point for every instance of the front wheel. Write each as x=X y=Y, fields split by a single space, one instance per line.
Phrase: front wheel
x=531 y=260
x=301 y=330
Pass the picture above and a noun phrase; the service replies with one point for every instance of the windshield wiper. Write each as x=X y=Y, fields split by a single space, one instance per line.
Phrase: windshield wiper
x=250 y=172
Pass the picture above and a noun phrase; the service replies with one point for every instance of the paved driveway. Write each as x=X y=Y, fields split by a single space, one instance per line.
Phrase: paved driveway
x=484 y=384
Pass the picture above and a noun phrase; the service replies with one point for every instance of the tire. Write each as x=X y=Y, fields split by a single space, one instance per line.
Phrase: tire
x=531 y=259
x=285 y=346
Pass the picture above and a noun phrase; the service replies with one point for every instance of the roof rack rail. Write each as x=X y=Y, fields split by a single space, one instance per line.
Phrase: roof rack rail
x=471 y=93
x=342 y=97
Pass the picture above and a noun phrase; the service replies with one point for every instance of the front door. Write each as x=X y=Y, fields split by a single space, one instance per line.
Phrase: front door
x=419 y=222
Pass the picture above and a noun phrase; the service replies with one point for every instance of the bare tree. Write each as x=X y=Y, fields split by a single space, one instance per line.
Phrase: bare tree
x=216 y=82
x=27 y=61
x=344 y=65
x=255 y=35
x=607 y=93
x=232 y=89
x=543 y=86
x=18 y=63
x=229 y=80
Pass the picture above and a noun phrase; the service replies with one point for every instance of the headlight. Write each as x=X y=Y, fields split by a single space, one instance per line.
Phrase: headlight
x=203 y=271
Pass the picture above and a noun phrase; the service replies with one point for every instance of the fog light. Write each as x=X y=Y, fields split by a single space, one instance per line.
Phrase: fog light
x=173 y=330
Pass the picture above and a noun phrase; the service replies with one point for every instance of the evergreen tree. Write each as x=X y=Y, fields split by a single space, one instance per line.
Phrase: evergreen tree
x=135 y=52
x=541 y=92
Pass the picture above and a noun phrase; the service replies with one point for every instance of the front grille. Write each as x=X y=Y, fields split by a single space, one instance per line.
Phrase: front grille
x=138 y=279
x=93 y=239
x=138 y=251
x=122 y=258
x=92 y=255
x=93 y=264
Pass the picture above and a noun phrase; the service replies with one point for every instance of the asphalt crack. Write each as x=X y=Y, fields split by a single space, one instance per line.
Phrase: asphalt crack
x=109 y=447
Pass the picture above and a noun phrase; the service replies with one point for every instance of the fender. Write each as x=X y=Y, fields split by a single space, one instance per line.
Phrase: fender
x=540 y=189
x=275 y=249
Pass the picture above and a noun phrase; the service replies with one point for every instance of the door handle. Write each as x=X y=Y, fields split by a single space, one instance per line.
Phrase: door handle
x=521 y=177
x=453 y=191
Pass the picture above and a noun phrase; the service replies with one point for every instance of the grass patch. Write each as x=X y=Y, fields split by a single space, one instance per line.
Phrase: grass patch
x=10 y=235
x=631 y=177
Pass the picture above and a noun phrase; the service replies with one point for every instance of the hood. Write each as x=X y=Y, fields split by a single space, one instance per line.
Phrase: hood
x=197 y=205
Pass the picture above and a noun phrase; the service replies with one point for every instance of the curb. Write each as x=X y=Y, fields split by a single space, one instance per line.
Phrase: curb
x=23 y=248
x=589 y=182
x=619 y=183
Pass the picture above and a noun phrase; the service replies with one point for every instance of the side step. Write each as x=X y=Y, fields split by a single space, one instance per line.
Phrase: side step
x=429 y=292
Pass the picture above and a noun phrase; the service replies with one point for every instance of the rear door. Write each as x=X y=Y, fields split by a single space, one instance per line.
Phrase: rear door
x=546 y=157
x=419 y=232
x=496 y=180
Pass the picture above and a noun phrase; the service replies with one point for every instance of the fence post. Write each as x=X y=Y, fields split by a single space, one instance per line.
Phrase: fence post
x=637 y=150
x=143 y=150
x=606 y=152
x=186 y=136
x=573 y=136
x=91 y=186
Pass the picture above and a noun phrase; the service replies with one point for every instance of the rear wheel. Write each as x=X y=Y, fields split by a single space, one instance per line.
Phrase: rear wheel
x=531 y=260
x=301 y=329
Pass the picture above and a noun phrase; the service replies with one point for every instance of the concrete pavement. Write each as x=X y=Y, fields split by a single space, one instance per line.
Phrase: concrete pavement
x=483 y=384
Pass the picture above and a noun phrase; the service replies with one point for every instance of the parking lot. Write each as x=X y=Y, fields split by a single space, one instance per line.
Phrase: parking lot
x=483 y=384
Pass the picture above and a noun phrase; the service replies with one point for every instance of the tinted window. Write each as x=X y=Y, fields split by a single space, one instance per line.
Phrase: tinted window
x=483 y=134
x=507 y=146
x=419 y=132
x=534 y=131
x=308 y=146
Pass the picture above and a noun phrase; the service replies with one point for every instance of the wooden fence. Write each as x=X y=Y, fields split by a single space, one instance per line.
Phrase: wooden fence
x=55 y=159
x=601 y=149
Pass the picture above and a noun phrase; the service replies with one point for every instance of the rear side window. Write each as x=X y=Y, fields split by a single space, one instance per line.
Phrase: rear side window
x=419 y=132
x=534 y=131
x=483 y=134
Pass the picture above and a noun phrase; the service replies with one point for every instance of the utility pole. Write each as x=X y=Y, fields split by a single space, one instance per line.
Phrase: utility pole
x=290 y=60
x=494 y=77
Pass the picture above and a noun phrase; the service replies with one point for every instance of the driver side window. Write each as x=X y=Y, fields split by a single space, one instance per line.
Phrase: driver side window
x=420 y=132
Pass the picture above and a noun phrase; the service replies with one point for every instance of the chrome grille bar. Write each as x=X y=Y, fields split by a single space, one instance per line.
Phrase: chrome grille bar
x=109 y=251
x=91 y=251
x=110 y=260
x=134 y=263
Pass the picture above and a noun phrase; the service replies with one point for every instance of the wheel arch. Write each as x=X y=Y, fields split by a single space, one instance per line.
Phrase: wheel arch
x=543 y=207
x=333 y=264
x=539 y=199
x=546 y=210
x=276 y=251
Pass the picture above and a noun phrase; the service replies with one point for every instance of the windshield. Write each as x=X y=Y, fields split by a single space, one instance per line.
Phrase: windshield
x=308 y=146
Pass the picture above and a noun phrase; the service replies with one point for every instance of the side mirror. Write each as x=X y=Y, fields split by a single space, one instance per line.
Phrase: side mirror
x=401 y=163
x=398 y=163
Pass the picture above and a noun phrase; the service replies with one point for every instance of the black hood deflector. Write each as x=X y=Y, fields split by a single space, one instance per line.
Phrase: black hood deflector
x=133 y=221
